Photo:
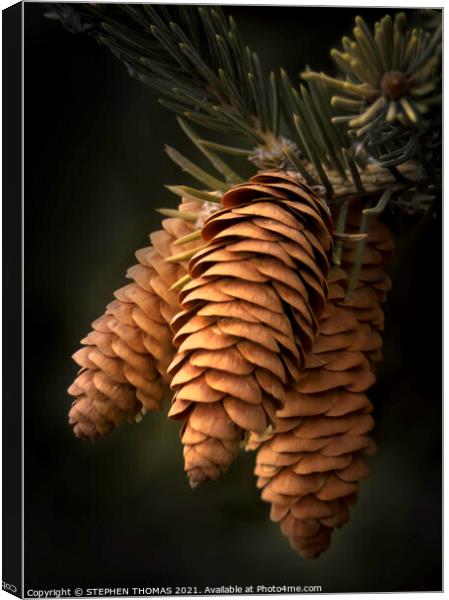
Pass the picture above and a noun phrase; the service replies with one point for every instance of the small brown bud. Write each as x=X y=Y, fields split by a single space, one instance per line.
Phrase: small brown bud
x=394 y=85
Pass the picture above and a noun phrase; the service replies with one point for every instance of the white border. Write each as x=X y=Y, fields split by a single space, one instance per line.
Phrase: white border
x=310 y=3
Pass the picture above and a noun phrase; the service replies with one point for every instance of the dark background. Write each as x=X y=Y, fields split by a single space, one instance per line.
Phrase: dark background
x=120 y=512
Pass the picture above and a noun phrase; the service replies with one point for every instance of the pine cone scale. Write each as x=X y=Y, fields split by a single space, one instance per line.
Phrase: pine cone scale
x=323 y=427
x=128 y=352
x=244 y=279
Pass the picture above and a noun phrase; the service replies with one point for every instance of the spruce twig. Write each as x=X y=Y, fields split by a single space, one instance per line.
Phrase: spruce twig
x=194 y=56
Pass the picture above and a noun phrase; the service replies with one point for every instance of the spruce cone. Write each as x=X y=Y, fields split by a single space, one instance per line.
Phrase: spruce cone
x=250 y=316
x=309 y=469
x=124 y=359
x=373 y=281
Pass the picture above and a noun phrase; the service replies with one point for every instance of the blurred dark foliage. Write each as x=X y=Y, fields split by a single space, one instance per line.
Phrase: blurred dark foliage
x=120 y=512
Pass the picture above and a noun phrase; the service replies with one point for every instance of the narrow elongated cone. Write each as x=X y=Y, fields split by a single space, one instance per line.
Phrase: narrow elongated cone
x=374 y=282
x=250 y=315
x=124 y=359
x=310 y=467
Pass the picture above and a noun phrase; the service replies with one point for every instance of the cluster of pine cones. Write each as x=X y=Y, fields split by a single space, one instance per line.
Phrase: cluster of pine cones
x=251 y=327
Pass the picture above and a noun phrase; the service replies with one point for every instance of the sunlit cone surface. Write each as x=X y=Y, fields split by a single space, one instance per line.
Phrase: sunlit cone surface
x=124 y=359
x=310 y=467
x=249 y=316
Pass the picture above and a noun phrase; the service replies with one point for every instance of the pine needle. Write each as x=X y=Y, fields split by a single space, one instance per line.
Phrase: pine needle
x=190 y=237
x=178 y=214
x=181 y=282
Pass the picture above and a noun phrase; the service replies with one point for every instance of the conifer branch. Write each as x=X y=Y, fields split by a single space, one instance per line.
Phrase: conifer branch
x=387 y=90
x=380 y=112
x=193 y=56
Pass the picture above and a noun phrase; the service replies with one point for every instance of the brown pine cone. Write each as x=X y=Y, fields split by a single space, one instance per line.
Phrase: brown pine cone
x=309 y=469
x=249 y=317
x=373 y=281
x=124 y=359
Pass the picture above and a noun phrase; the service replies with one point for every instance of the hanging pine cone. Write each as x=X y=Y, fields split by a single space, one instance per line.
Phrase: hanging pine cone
x=124 y=359
x=250 y=315
x=309 y=469
x=373 y=281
